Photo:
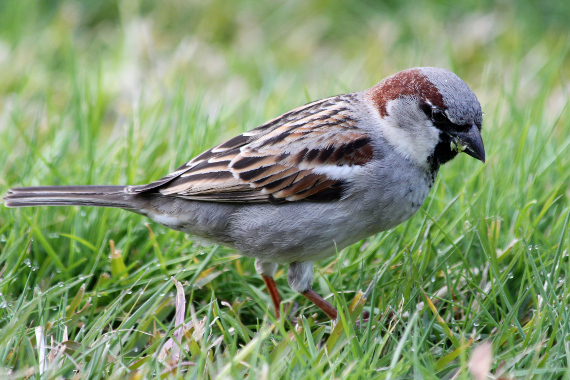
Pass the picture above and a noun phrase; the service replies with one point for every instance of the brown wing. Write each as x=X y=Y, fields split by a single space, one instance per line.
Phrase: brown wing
x=303 y=154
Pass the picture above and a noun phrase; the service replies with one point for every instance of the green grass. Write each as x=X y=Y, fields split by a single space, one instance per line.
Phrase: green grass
x=117 y=92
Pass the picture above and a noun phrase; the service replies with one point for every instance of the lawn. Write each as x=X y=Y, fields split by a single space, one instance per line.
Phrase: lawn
x=122 y=92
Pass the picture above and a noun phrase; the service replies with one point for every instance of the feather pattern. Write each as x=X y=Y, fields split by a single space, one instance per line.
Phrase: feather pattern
x=307 y=153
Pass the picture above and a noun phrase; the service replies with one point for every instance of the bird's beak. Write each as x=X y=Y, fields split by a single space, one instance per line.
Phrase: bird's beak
x=470 y=142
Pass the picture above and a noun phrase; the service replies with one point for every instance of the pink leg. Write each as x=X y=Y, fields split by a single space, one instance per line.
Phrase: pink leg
x=273 y=292
x=326 y=307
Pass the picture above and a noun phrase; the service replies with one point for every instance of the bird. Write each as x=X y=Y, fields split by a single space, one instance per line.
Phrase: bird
x=310 y=182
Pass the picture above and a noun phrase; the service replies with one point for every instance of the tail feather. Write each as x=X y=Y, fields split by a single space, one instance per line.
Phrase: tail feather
x=101 y=196
x=90 y=189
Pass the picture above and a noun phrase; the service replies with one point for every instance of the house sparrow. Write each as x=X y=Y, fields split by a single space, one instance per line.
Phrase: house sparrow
x=309 y=182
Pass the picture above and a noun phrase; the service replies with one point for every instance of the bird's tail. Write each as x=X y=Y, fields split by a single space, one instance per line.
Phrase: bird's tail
x=101 y=196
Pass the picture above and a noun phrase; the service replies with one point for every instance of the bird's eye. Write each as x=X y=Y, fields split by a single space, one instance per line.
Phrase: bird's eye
x=438 y=116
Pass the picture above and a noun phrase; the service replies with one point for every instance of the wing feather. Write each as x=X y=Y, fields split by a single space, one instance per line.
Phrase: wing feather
x=305 y=154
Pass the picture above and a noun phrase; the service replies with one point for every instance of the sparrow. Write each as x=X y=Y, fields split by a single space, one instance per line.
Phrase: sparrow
x=310 y=182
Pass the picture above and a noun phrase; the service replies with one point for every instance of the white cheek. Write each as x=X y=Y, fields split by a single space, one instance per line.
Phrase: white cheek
x=413 y=143
x=410 y=133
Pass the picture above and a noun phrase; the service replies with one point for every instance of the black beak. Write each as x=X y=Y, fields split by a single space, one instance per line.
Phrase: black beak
x=470 y=142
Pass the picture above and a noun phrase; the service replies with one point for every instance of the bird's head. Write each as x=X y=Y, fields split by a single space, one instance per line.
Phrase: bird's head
x=429 y=115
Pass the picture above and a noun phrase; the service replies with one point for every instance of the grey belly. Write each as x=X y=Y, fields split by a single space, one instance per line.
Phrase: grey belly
x=312 y=231
x=296 y=231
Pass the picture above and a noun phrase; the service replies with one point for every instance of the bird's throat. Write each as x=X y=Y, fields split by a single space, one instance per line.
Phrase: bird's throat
x=442 y=153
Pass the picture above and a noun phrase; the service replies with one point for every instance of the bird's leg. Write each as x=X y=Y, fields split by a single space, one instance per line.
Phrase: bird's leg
x=320 y=302
x=300 y=278
x=273 y=292
x=267 y=271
